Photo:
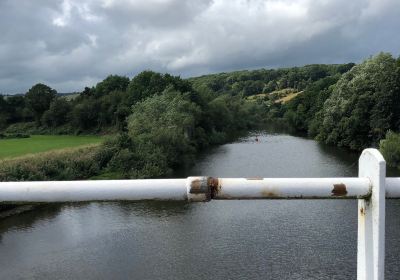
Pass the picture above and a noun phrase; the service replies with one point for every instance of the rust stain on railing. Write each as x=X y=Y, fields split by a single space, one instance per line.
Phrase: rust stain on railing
x=339 y=190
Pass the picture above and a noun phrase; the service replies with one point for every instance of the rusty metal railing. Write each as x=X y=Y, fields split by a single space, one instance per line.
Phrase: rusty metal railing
x=371 y=188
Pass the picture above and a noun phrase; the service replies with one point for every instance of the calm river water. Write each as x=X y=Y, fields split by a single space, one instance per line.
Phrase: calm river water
x=270 y=239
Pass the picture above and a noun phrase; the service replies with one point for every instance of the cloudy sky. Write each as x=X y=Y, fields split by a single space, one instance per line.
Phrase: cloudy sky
x=70 y=44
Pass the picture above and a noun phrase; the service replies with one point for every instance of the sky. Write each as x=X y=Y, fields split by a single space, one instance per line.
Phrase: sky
x=70 y=44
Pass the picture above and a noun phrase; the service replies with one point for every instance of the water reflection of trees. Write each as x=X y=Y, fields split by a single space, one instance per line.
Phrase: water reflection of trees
x=345 y=156
x=26 y=220
x=350 y=158
x=150 y=208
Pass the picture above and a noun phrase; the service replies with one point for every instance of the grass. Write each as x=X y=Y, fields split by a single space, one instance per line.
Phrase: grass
x=251 y=97
x=280 y=96
x=71 y=96
x=288 y=97
x=11 y=148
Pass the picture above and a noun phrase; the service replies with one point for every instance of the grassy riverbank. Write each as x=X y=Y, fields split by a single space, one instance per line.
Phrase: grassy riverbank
x=62 y=164
x=11 y=148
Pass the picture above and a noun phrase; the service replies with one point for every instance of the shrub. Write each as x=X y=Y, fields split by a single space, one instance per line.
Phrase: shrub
x=390 y=149
x=14 y=135
x=65 y=164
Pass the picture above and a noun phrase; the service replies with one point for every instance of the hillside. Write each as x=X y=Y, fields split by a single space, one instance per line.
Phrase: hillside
x=347 y=105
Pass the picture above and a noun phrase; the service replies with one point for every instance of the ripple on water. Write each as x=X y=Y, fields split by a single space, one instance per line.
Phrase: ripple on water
x=274 y=239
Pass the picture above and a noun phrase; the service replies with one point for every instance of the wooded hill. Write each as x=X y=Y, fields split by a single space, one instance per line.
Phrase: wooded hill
x=346 y=105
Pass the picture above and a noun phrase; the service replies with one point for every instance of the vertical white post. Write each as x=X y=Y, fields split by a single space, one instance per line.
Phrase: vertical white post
x=371 y=218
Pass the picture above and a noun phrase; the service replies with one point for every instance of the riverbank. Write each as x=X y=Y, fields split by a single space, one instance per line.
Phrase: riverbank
x=63 y=164
x=7 y=210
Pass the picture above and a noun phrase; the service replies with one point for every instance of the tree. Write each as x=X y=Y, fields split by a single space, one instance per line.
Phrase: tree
x=111 y=83
x=364 y=104
x=149 y=83
x=3 y=112
x=17 y=110
x=145 y=84
x=58 y=113
x=38 y=99
x=85 y=115
x=390 y=149
x=166 y=121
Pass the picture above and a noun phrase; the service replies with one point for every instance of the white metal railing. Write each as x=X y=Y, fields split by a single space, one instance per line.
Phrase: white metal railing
x=371 y=188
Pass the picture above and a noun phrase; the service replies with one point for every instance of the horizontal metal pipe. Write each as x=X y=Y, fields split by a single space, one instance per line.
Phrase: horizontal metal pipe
x=392 y=187
x=64 y=191
x=264 y=188
x=192 y=189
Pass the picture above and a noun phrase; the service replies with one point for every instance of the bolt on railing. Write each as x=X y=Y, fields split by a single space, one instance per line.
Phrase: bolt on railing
x=371 y=188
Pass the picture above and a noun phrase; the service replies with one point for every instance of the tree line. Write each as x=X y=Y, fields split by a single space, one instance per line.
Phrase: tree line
x=159 y=121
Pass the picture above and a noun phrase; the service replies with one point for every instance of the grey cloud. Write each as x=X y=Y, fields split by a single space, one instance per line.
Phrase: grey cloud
x=152 y=13
x=70 y=44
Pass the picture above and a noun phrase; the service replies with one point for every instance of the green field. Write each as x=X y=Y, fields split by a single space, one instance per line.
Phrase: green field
x=10 y=148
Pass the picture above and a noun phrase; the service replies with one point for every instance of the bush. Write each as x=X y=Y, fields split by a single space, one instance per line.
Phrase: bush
x=14 y=135
x=123 y=160
x=162 y=125
x=66 y=164
x=25 y=127
x=32 y=129
x=390 y=149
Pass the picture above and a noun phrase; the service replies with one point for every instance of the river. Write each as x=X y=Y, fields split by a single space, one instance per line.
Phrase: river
x=263 y=239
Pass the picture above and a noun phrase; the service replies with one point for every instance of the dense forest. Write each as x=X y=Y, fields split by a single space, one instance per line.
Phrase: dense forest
x=159 y=121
